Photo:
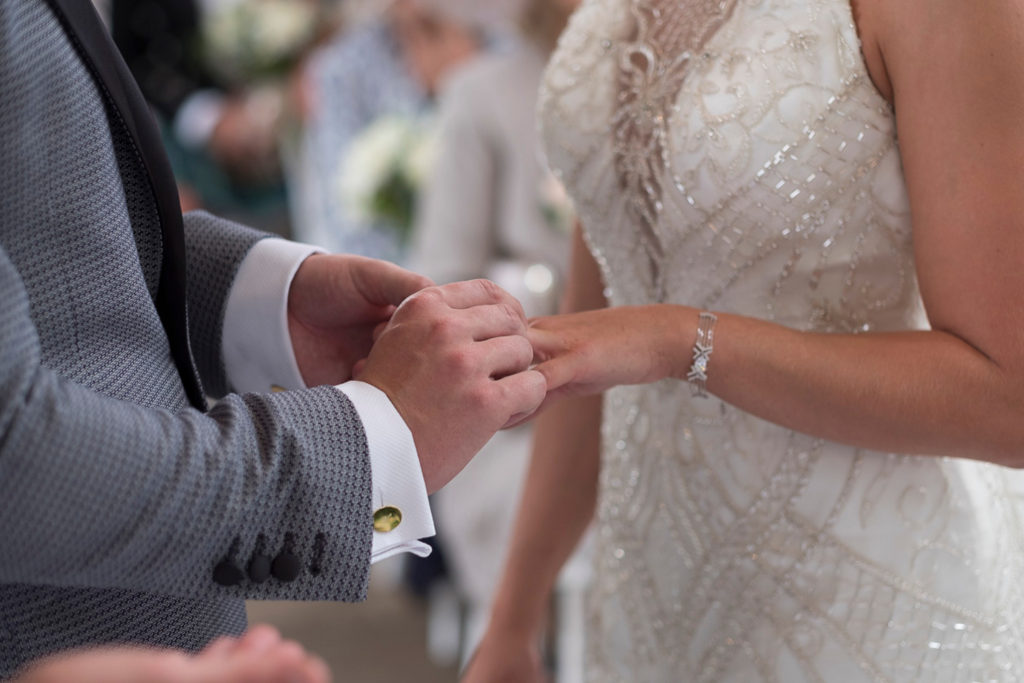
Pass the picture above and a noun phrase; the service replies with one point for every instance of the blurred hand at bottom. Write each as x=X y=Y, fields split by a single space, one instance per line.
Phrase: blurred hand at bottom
x=260 y=656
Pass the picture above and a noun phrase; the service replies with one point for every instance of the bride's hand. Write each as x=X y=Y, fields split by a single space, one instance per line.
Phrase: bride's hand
x=505 y=660
x=587 y=353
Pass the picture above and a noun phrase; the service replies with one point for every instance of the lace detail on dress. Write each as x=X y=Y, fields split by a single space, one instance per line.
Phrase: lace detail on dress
x=737 y=157
x=652 y=69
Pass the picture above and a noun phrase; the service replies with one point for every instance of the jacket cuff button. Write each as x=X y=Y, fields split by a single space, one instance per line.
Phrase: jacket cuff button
x=286 y=567
x=259 y=568
x=259 y=563
x=227 y=573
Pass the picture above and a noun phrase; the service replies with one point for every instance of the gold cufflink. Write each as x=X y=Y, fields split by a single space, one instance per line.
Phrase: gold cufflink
x=276 y=388
x=387 y=519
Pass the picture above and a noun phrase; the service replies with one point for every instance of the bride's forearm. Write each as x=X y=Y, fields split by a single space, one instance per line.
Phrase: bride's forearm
x=915 y=392
x=557 y=505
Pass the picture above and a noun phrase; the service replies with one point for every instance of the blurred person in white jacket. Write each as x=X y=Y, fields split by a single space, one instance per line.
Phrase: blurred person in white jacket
x=492 y=209
x=389 y=64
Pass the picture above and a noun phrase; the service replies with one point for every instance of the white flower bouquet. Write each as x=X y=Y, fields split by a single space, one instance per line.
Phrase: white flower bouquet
x=251 y=40
x=382 y=173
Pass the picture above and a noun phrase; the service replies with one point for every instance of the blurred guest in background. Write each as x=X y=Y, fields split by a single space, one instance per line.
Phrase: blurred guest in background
x=492 y=209
x=386 y=71
x=216 y=72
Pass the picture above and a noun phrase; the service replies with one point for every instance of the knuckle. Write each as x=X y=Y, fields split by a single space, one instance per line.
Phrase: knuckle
x=491 y=291
x=423 y=300
x=443 y=329
x=488 y=287
x=459 y=360
x=517 y=306
x=482 y=396
x=525 y=350
x=413 y=306
x=514 y=316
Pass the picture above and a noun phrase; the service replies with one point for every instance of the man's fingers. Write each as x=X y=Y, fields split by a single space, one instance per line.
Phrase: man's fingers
x=478 y=305
x=495 y=320
x=522 y=393
x=384 y=283
x=472 y=293
x=505 y=355
x=557 y=372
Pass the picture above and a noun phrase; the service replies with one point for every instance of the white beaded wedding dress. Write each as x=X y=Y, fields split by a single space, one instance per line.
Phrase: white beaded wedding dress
x=734 y=155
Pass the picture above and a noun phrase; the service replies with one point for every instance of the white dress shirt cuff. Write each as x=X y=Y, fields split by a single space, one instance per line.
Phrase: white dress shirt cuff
x=396 y=474
x=256 y=345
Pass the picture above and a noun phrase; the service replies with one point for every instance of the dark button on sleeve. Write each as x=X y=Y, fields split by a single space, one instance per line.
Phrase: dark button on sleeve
x=227 y=573
x=286 y=566
x=259 y=563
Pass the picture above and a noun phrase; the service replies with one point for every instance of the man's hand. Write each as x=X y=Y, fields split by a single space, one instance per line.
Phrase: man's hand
x=334 y=304
x=453 y=360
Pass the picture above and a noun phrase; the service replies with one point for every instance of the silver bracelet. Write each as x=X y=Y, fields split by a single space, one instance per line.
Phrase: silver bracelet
x=698 y=375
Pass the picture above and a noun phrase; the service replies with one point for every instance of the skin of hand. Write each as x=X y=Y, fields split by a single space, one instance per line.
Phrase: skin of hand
x=505 y=660
x=574 y=352
x=335 y=303
x=260 y=656
x=454 y=362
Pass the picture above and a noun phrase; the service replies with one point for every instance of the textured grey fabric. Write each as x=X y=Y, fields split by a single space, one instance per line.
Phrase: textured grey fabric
x=117 y=500
x=215 y=248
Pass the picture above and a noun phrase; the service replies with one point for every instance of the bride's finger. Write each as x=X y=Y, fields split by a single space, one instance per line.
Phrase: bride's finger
x=546 y=344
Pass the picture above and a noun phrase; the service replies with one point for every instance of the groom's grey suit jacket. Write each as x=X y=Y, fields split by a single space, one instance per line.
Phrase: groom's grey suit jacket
x=128 y=512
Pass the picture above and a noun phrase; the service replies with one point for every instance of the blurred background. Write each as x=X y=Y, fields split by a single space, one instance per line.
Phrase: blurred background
x=402 y=130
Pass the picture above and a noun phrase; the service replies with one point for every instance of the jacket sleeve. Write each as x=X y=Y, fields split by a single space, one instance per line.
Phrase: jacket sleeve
x=215 y=248
x=98 y=492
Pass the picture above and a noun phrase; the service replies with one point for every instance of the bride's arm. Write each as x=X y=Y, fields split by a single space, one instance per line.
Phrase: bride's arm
x=557 y=505
x=957 y=76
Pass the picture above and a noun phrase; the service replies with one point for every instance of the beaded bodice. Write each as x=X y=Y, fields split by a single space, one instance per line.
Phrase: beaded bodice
x=734 y=155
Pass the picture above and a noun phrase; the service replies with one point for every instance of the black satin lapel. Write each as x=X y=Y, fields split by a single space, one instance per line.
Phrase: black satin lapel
x=100 y=55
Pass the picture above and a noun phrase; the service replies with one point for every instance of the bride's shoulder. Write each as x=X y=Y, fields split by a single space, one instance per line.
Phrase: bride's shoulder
x=900 y=38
